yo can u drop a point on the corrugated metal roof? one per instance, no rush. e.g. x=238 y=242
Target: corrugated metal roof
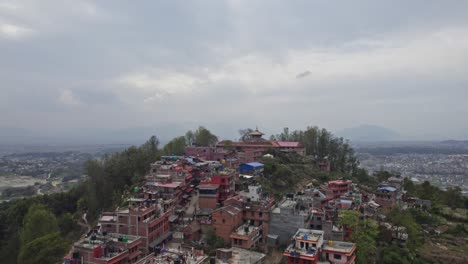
x=255 y=164
x=386 y=188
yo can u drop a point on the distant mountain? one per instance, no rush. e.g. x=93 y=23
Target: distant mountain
x=369 y=133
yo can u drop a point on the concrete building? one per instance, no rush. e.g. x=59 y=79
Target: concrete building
x=286 y=219
x=310 y=247
x=306 y=247
x=106 y=248
x=238 y=256
x=336 y=252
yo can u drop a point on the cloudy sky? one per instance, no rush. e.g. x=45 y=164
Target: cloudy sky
x=74 y=65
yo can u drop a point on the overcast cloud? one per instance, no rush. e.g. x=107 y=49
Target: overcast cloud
x=70 y=65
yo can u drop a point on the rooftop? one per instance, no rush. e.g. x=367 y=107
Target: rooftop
x=189 y=256
x=232 y=210
x=208 y=186
x=288 y=203
x=340 y=182
x=96 y=240
x=308 y=235
x=288 y=144
x=386 y=188
x=241 y=230
x=241 y=256
x=339 y=246
x=167 y=185
x=255 y=164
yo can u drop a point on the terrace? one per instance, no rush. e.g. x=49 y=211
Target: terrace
x=339 y=246
x=306 y=244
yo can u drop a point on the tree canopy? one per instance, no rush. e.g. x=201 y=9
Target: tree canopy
x=364 y=233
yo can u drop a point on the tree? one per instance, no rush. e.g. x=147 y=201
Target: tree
x=189 y=138
x=363 y=232
x=214 y=242
x=203 y=137
x=245 y=134
x=46 y=249
x=38 y=222
x=176 y=146
x=406 y=219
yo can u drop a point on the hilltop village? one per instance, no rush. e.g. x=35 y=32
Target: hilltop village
x=210 y=206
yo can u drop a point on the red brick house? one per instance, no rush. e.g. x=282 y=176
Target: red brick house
x=225 y=220
x=149 y=221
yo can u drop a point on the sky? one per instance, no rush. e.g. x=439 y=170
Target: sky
x=74 y=67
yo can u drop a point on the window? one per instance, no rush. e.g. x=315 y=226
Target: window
x=260 y=214
x=224 y=221
x=337 y=256
x=319 y=218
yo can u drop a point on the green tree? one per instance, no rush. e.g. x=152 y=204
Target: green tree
x=189 y=138
x=363 y=232
x=176 y=146
x=47 y=249
x=394 y=254
x=214 y=242
x=203 y=137
x=406 y=219
x=38 y=222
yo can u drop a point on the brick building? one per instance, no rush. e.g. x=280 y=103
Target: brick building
x=386 y=196
x=253 y=148
x=148 y=221
x=208 y=196
x=246 y=236
x=225 y=220
x=335 y=189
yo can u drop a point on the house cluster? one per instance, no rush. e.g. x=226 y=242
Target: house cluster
x=214 y=190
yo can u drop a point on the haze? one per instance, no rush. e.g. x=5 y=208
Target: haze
x=84 y=68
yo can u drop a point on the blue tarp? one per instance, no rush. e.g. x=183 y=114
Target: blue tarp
x=390 y=189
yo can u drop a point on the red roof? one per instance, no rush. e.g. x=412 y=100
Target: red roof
x=288 y=144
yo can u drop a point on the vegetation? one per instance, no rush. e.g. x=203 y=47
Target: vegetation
x=201 y=137
x=321 y=144
x=213 y=242
x=41 y=229
x=364 y=233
